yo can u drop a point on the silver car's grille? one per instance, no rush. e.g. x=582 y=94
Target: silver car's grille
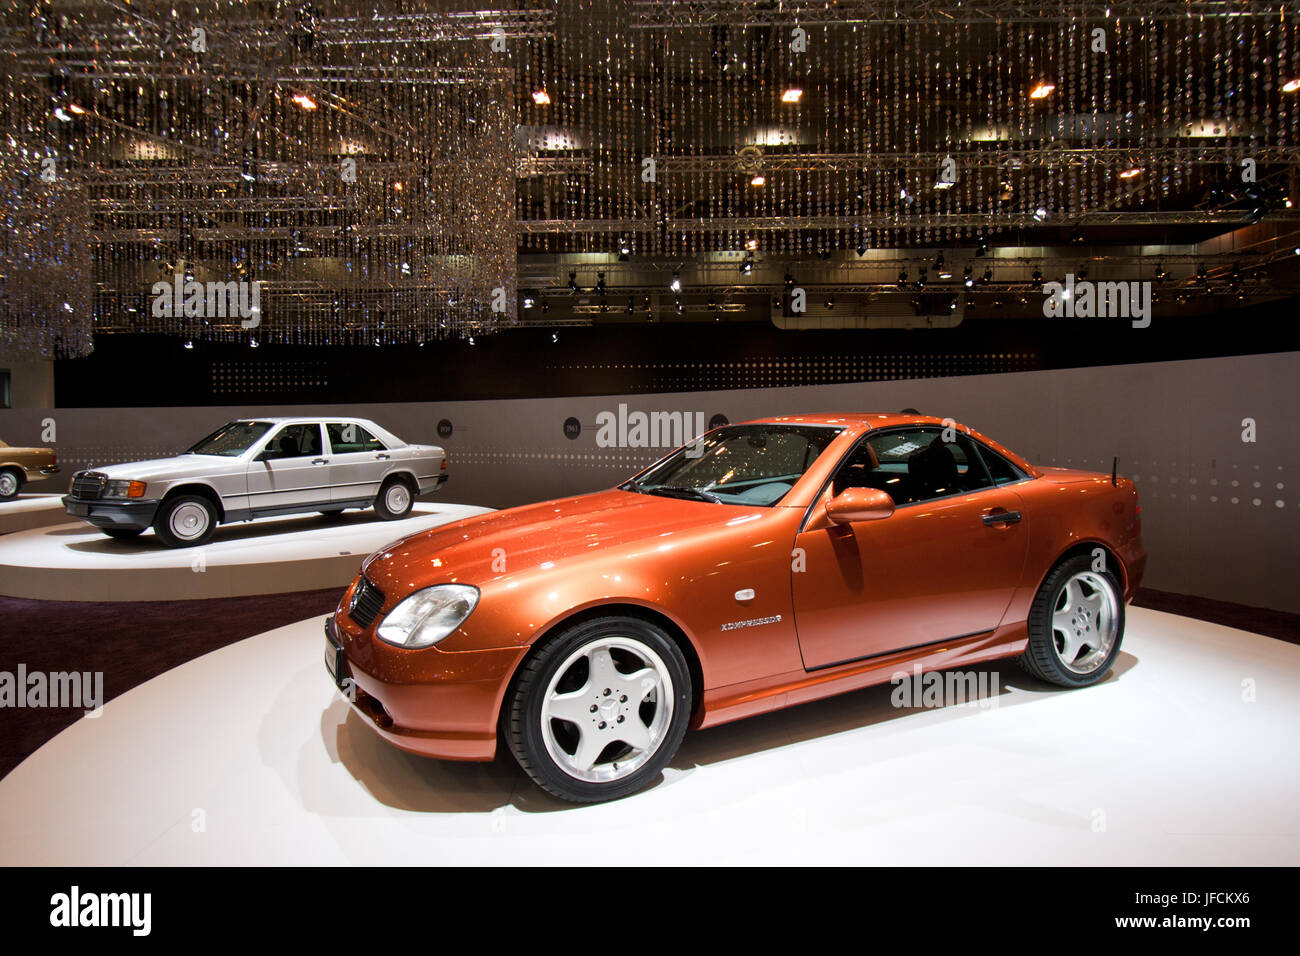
x=88 y=485
x=366 y=602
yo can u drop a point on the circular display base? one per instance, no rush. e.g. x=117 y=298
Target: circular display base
x=75 y=562
x=249 y=755
x=31 y=511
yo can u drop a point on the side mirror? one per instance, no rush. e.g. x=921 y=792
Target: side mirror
x=859 y=504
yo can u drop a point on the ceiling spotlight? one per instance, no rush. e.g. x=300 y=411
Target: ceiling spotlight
x=304 y=101
x=792 y=94
x=983 y=246
x=600 y=282
x=967 y=278
x=1082 y=273
x=941 y=269
x=471 y=340
x=903 y=193
x=680 y=310
x=189 y=344
x=902 y=278
x=987 y=277
x=541 y=98
x=944 y=184
x=629 y=305
x=952 y=303
x=1161 y=275
x=76 y=110
x=921 y=278
x=676 y=284
x=573 y=282
x=253 y=343
x=624 y=250
x=830 y=302
x=1042 y=90
x=1290 y=86
x=789 y=282
x=751 y=244
x=1036 y=280
x=528 y=302
x=1202 y=274
x=1076 y=237
x=62 y=115
x=1131 y=173
x=555 y=337
x=758 y=180
x=746 y=266
x=862 y=249
x=1040 y=213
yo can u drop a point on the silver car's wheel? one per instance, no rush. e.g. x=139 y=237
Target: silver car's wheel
x=9 y=484
x=1085 y=621
x=398 y=498
x=598 y=710
x=615 y=719
x=394 y=500
x=185 y=521
x=189 y=522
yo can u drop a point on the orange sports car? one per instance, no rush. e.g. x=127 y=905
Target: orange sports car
x=763 y=565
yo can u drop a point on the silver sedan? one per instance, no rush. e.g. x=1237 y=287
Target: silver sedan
x=254 y=468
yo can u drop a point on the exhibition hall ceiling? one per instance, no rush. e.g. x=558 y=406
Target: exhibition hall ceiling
x=388 y=172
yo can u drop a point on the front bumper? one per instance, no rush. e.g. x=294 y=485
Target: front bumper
x=430 y=702
x=111 y=513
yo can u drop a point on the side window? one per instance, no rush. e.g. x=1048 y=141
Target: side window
x=294 y=441
x=913 y=464
x=1001 y=469
x=348 y=437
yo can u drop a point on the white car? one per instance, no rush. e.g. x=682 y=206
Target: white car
x=258 y=467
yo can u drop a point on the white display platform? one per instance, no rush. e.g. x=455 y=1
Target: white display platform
x=75 y=562
x=31 y=511
x=249 y=756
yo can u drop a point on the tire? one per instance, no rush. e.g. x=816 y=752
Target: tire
x=394 y=500
x=1059 y=650
x=11 y=480
x=558 y=679
x=123 y=534
x=185 y=521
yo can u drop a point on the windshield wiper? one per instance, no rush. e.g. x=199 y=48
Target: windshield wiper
x=677 y=491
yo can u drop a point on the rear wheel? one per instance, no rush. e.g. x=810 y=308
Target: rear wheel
x=1076 y=625
x=598 y=712
x=395 y=500
x=185 y=521
x=10 y=482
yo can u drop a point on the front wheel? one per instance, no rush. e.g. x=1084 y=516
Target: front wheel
x=1076 y=625
x=185 y=521
x=10 y=482
x=598 y=712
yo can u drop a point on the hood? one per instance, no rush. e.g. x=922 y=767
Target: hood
x=501 y=544
x=164 y=469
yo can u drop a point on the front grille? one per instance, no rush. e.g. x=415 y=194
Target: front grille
x=366 y=602
x=88 y=485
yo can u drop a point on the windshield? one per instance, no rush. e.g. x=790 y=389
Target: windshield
x=231 y=441
x=738 y=464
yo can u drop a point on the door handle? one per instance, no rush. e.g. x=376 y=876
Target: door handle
x=1001 y=517
x=320 y=461
x=382 y=457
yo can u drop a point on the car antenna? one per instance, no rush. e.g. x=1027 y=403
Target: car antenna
x=1114 y=471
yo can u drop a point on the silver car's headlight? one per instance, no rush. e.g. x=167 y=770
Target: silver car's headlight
x=429 y=615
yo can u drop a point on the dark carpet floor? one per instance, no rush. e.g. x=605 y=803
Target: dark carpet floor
x=129 y=642
x=133 y=642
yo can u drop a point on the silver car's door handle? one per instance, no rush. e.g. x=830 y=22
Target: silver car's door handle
x=320 y=461
x=382 y=457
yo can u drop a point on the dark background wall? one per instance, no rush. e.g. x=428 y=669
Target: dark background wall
x=640 y=357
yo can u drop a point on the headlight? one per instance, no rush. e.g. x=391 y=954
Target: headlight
x=124 y=489
x=427 y=616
